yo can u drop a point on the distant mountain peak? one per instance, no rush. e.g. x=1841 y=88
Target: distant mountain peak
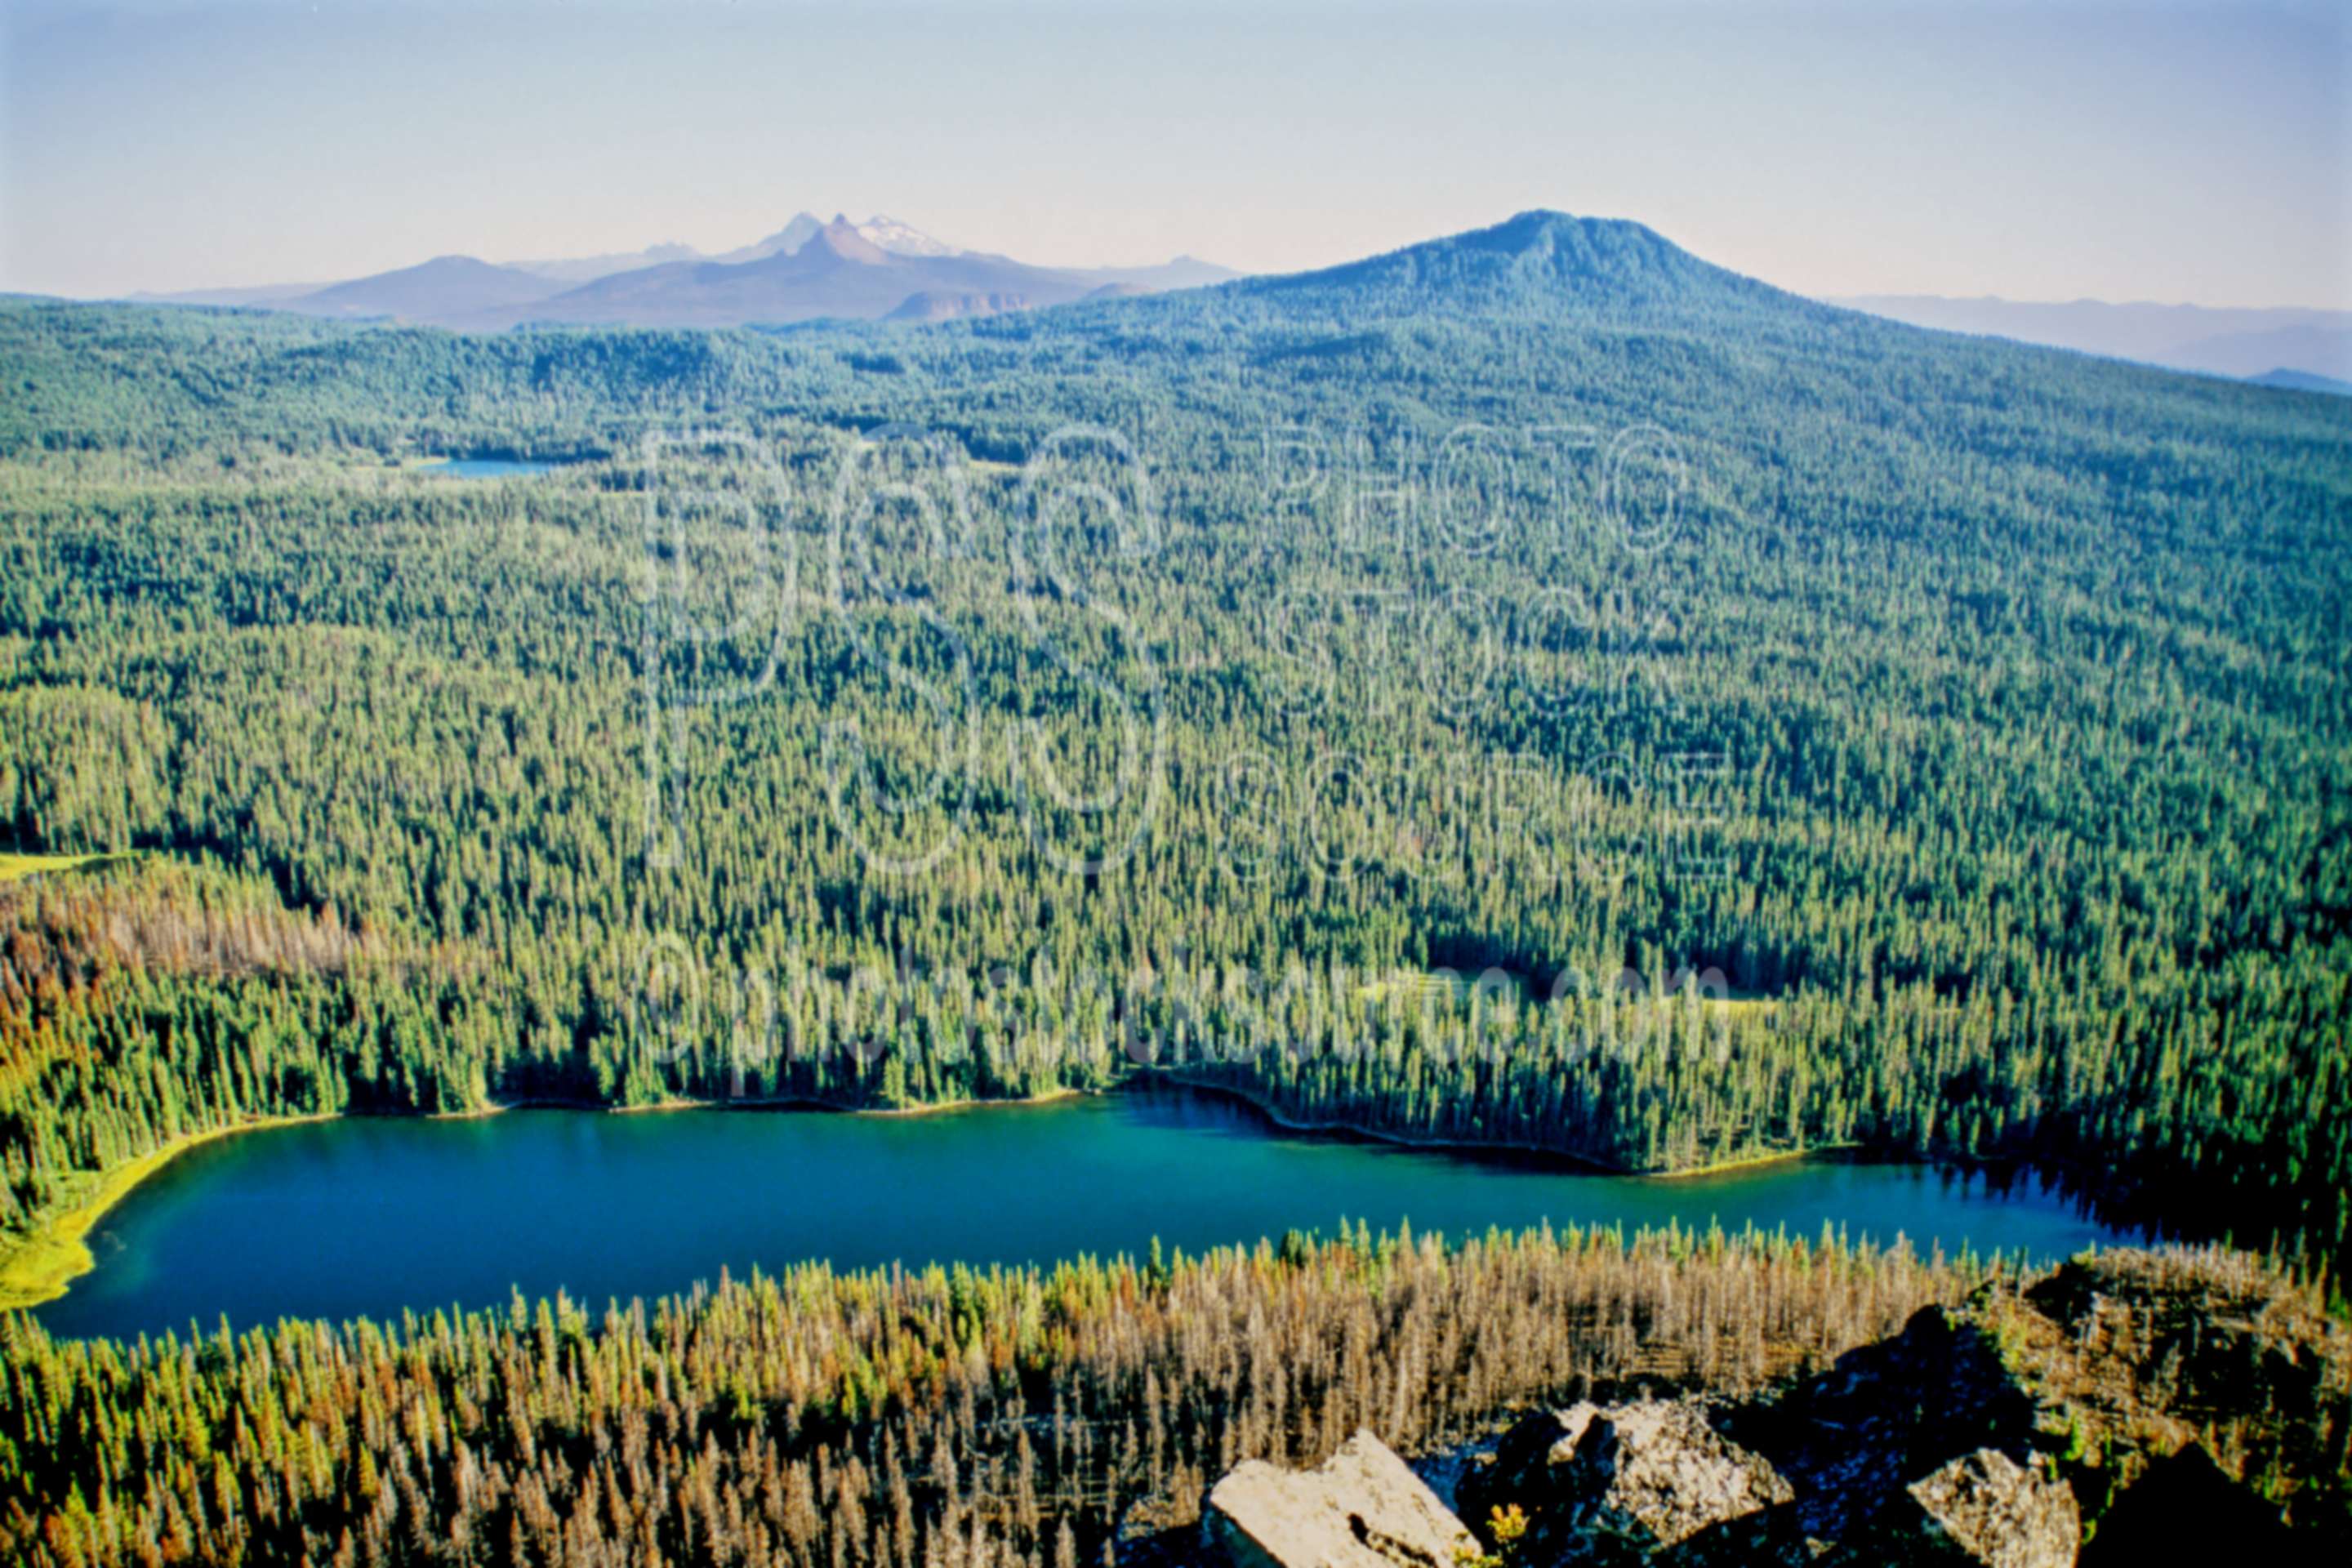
x=452 y=262
x=445 y=286
x=2294 y=380
x=846 y=240
x=1538 y=259
x=797 y=232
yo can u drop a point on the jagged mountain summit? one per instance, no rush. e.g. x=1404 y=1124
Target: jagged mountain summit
x=883 y=233
x=797 y=231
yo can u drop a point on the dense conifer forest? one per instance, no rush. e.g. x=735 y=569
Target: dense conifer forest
x=1534 y=688
x=1791 y=728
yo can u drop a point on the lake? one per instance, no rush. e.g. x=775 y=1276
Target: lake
x=366 y=1216
x=483 y=468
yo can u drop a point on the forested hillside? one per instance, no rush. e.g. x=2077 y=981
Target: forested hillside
x=964 y=1417
x=944 y=1416
x=1793 y=727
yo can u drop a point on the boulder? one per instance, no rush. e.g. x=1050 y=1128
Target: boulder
x=1360 y=1508
x=1981 y=1510
x=1645 y=1481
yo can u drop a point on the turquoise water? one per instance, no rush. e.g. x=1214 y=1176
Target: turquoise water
x=483 y=468
x=368 y=1217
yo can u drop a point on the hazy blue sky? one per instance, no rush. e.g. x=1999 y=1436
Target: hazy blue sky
x=2141 y=150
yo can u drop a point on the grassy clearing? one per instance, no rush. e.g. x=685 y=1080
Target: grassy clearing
x=1745 y=1003
x=17 y=867
x=1748 y=1162
x=1413 y=983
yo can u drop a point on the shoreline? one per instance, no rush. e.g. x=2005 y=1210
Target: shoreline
x=1384 y=1135
x=1491 y=1145
x=761 y=1102
x=53 y=1254
x=1748 y=1162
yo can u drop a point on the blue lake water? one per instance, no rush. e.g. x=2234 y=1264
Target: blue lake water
x=368 y=1217
x=483 y=468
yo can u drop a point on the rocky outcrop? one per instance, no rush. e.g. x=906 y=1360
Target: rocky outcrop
x=2135 y=1355
x=1877 y=1474
x=1624 y=1483
x=1981 y=1510
x=2184 y=1404
x=1840 y=1456
x=1360 y=1508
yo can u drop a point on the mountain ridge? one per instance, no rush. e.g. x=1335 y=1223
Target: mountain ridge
x=672 y=284
x=837 y=271
x=443 y=285
x=582 y=269
x=2241 y=342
